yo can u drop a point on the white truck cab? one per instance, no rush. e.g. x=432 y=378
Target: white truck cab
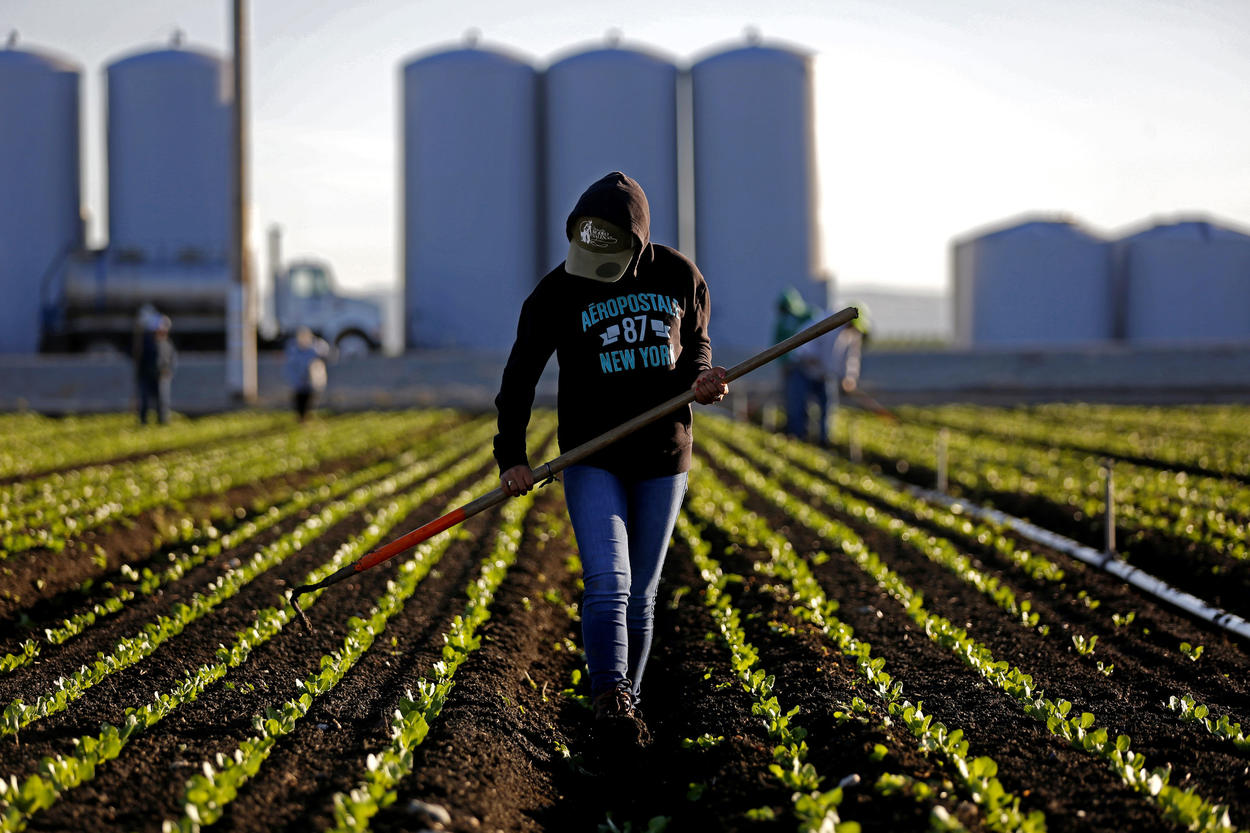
x=304 y=295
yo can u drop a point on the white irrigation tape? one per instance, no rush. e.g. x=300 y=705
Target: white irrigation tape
x=1133 y=575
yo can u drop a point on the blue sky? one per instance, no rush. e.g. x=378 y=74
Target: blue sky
x=933 y=117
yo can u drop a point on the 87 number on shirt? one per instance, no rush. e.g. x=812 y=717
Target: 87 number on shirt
x=634 y=332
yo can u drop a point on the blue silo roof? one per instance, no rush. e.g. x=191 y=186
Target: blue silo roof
x=737 y=53
x=602 y=53
x=1199 y=230
x=467 y=53
x=36 y=59
x=1035 y=227
x=166 y=56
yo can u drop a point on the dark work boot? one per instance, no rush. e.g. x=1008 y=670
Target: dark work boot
x=617 y=701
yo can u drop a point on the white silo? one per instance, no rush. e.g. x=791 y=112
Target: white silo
x=1036 y=283
x=1185 y=282
x=755 y=187
x=169 y=157
x=471 y=197
x=610 y=110
x=40 y=198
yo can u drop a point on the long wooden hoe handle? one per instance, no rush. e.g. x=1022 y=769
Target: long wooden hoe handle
x=568 y=458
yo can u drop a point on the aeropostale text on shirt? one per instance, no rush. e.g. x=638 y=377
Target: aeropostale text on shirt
x=597 y=311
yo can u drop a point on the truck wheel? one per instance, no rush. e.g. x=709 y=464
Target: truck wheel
x=352 y=346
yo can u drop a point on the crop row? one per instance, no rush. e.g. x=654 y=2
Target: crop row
x=164 y=627
x=80 y=491
x=862 y=480
x=55 y=775
x=1193 y=446
x=147 y=581
x=1181 y=419
x=47 y=512
x=940 y=551
x=715 y=505
x=1187 y=807
x=816 y=809
x=18 y=428
x=1205 y=510
x=216 y=786
x=1222 y=727
x=38 y=446
x=354 y=808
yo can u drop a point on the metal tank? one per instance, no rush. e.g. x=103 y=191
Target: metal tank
x=754 y=188
x=1185 y=282
x=40 y=197
x=471 y=197
x=610 y=110
x=169 y=156
x=1037 y=283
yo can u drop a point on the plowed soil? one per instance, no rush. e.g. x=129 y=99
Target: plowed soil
x=516 y=748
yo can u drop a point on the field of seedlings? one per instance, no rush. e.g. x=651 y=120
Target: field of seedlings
x=834 y=650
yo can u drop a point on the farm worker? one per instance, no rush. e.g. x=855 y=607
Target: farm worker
x=628 y=321
x=155 y=361
x=818 y=371
x=306 y=369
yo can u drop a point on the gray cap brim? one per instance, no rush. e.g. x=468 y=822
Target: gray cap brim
x=598 y=266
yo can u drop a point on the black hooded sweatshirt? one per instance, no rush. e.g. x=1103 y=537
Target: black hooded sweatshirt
x=622 y=347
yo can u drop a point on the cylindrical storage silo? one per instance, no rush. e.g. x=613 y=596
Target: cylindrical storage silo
x=754 y=185
x=169 y=157
x=40 y=197
x=610 y=110
x=471 y=197
x=1037 y=283
x=1187 y=281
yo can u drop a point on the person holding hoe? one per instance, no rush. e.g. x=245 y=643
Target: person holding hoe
x=628 y=321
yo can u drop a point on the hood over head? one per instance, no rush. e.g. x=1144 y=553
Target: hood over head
x=596 y=250
x=790 y=302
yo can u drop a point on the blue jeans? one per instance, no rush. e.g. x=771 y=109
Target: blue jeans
x=623 y=528
x=800 y=389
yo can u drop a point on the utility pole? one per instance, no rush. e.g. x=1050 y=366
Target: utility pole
x=241 y=309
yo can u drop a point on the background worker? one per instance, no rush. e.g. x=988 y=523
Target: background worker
x=628 y=322
x=305 y=368
x=801 y=383
x=845 y=360
x=819 y=371
x=155 y=362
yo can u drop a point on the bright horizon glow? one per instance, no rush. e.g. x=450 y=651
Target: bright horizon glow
x=933 y=118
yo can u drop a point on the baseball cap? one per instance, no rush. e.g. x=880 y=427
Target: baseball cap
x=599 y=250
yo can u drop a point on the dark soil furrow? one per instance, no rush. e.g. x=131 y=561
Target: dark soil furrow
x=40 y=583
x=491 y=756
x=1187 y=564
x=146 y=785
x=692 y=692
x=1075 y=790
x=812 y=674
x=195 y=646
x=1150 y=642
x=61 y=660
x=1129 y=702
x=43 y=582
x=329 y=746
x=492 y=761
x=56 y=661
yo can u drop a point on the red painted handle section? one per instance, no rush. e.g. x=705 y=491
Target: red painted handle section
x=410 y=539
